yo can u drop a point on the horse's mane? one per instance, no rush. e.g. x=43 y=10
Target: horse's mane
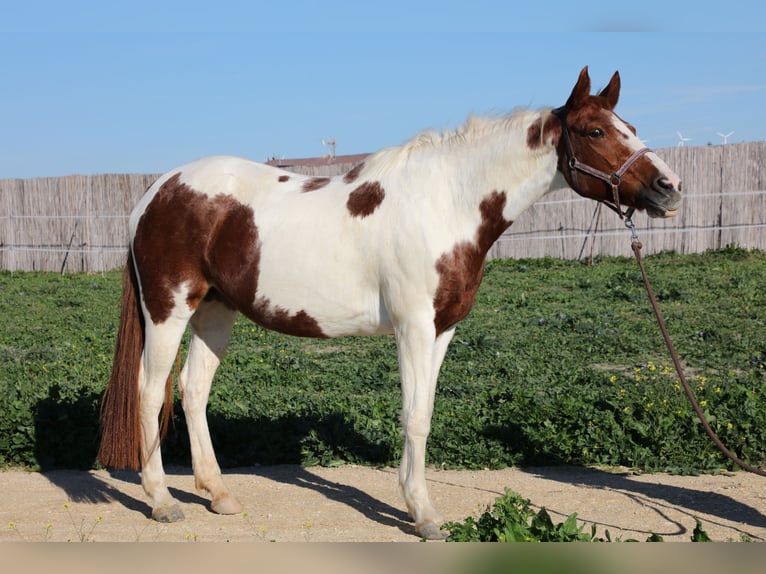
x=474 y=128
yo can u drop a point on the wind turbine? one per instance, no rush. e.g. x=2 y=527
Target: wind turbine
x=682 y=139
x=725 y=137
x=330 y=144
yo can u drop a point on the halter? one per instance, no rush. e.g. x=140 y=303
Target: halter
x=612 y=179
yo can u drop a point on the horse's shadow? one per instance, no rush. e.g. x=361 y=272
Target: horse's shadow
x=94 y=488
x=661 y=497
x=66 y=439
x=370 y=507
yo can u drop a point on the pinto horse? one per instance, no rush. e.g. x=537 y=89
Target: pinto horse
x=395 y=246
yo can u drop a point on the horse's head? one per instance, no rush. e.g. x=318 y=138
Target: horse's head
x=601 y=157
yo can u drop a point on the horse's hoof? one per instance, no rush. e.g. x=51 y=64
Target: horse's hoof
x=168 y=513
x=226 y=504
x=431 y=531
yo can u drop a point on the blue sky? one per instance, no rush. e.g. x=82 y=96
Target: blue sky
x=141 y=87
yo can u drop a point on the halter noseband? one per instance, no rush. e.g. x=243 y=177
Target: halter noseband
x=612 y=179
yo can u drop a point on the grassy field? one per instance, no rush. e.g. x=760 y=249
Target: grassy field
x=558 y=362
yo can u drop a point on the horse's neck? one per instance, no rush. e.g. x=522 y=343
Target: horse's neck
x=500 y=161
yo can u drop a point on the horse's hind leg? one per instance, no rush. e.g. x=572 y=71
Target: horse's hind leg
x=160 y=350
x=211 y=328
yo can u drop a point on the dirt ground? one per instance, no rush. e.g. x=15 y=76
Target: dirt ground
x=362 y=504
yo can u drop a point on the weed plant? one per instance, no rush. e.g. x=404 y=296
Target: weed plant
x=558 y=363
x=511 y=518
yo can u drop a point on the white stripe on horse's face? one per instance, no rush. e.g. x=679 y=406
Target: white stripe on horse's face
x=628 y=132
x=634 y=143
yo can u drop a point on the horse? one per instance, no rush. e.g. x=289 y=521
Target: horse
x=394 y=246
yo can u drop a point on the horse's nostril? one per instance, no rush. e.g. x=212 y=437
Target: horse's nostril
x=666 y=184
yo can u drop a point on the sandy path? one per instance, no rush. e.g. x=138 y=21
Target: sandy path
x=351 y=503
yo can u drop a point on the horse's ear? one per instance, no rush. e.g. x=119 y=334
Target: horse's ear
x=581 y=89
x=612 y=91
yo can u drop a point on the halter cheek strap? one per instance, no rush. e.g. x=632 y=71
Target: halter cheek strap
x=612 y=179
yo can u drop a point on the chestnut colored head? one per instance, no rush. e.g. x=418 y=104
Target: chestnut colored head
x=598 y=152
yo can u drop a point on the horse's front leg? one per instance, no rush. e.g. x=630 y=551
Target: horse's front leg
x=420 y=356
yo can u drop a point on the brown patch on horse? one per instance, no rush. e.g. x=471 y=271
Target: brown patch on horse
x=206 y=243
x=283 y=178
x=233 y=255
x=233 y=268
x=492 y=221
x=461 y=270
x=277 y=319
x=315 y=183
x=171 y=237
x=353 y=174
x=365 y=199
x=538 y=132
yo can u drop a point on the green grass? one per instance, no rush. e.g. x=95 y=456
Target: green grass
x=557 y=363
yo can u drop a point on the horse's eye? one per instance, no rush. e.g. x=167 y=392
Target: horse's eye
x=596 y=133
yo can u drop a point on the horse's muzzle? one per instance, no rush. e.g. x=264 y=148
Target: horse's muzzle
x=663 y=197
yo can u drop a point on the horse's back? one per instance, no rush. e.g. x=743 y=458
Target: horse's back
x=243 y=179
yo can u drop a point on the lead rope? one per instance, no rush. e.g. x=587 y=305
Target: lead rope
x=636 y=246
x=614 y=180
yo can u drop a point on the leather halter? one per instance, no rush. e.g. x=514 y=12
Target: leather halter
x=612 y=179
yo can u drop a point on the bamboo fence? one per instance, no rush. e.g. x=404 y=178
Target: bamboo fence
x=79 y=223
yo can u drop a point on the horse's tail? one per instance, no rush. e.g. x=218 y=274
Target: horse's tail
x=120 y=410
x=120 y=421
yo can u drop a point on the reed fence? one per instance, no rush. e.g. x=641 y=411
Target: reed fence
x=79 y=223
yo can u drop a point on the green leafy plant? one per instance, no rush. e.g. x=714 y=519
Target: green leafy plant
x=699 y=535
x=511 y=518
